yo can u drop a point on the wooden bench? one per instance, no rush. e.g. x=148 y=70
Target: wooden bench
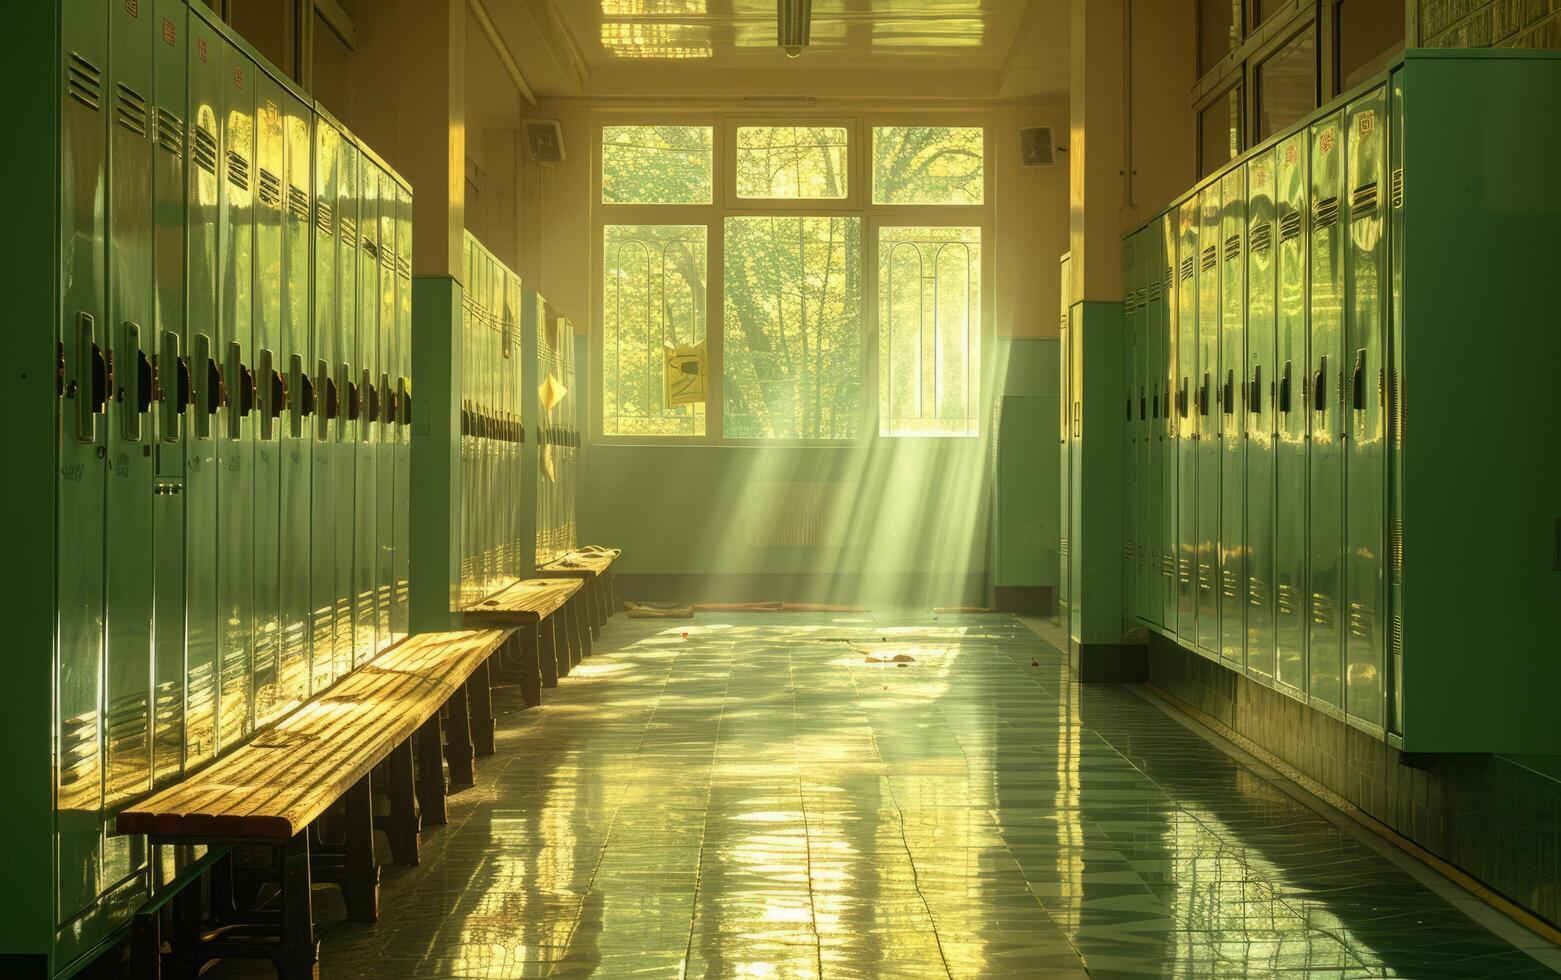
x=274 y=790
x=548 y=640
x=594 y=567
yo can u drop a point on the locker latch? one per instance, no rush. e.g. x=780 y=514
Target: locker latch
x=1320 y=385
x=1228 y=392
x=1203 y=395
x=1358 y=381
x=1255 y=392
x=1284 y=389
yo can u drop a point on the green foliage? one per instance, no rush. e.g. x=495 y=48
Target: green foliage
x=656 y=165
x=653 y=295
x=799 y=162
x=928 y=165
x=793 y=337
x=929 y=323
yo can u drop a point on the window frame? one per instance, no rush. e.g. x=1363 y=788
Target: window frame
x=858 y=203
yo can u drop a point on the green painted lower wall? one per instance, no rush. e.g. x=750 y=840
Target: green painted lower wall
x=436 y=452
x=1026 y=524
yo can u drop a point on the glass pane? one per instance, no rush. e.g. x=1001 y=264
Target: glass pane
x=793 y=335
x=1219 y=132
x=1219 y=31
x=791 y=162
x=1371 y=33
x=1266 y=7
x=653 y=298
x=1287 y=85
x=656 y=165
x=929 y=331
x=928 y=165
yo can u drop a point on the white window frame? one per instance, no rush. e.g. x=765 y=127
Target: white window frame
x=858 y=203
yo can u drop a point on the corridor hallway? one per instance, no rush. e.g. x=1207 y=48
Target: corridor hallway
x=761 y=798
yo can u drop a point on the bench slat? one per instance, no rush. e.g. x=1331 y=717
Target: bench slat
x=291 y=772
x=528 y=601
x=579 y=563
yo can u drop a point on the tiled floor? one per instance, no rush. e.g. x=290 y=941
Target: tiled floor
x=775 y=795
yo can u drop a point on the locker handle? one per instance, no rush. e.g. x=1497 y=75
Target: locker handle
x=1167 y=395
x=1181 y=399
x=387 y=400
x=1203 y=395
x=353 y=409
x=466 y=421
x=406 y=401
x=1284 y=389
x=1255 y=393
x=372 y=394
x=1319 y=385
x=216 y=391
x=1228 y=394
x=332 y=399
x=246 y=390
x=1154 y=411
x=97 y=371
x=1129 y=406
x=305 y=403
x=142 y=377
x=183 y=387
x=278 y=395
x=1358 y=381
x=1143 y=404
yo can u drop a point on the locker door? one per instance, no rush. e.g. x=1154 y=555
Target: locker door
x=1167 y=437
x=1185 y=405
x=325 y=353
x=1259 y=404
x=131 y=333
x=344 y=442
x=1206 y=384
x=203 y=338
x=1142 y=337
x=236 y=431
x=83 y=340
x=1154 y=433
x=296 y=434
x=1365 y=450
x=385 y=448
x=365 y=534
x=1325 y=465
x=271 y=156
x=403 y=424
x=1292 y=192
x=1129 y=430
x=468 y=366
x=1231 y=548
x=1065 y=490
x=1396 y=340
x=172 y=389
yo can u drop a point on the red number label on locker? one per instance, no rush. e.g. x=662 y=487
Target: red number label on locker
x=133 y=7
x=238 y=78
x=201 y=46
x=1325 y=141
x=170 y=32
x=1290 y=153
x=1262 y=175
x=1368 y=122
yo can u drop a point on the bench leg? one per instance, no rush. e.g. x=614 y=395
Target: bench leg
x=458 y=740
x=430 y=771
x=479 y=697
x=146 y=945
x=360 y=875
x=533 y=673
x=578 y=623
x=612 y=594
x=401 y=824
x=299 y=952
x=551 y=645
x=532 y=652
x=593 y=604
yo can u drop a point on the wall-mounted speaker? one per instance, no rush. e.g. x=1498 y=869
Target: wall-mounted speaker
x=545 y=141
x=1035 y=147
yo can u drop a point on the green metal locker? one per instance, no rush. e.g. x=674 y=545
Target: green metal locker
x=1325 y=459
x=465 y=595
x=1208 y=442
x=365 y=338
x=128 y=593
x=349 y=410
x=325 y=353
x=173 y=386
x=1365 y=450
x=1129 y=401
x=1143 y=262
x=1065 y=489
x=1292 y=414
x=1259 y=382
x=399 y=622
x=203 y=338
x=1153 y=437
x=1187 y=423
x=1231 y=547
x=1394 y=722
x=270 y=156
x=84 y=338
x=236 y=434
x=1166 y=439
x=385 y=447
x=296 y=403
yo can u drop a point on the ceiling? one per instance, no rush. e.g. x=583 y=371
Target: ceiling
x=913 y=49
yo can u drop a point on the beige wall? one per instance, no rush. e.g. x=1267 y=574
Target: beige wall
x=1030 y=224
x=1163 y=131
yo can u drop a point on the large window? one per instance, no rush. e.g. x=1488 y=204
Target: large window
x=736 y=298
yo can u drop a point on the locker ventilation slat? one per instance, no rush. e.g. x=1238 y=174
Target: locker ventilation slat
x=203 y=150
x=1289 y=227
x=324 y=217
x=349 y=231
x=1262 y=237
x=170 y=132
x=1211 y=256
x=270 y=189
x=238 y=170
x=1325 y=213
x=1363 y=200
x=1128 y=304
x=1232 y=247
x=130 y=109
x=403 y=267
x=298 y=203
x=1170 y=278
x=1189 y=266
x=1154 y=291
x=1398 y=188
x=1396 y=636
x=84 y=81
x=369 y=248
x=386 y=259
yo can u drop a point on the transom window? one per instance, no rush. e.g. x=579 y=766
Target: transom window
x=773 y=229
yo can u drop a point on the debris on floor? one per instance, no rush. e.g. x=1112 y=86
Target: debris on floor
x=659 y=610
